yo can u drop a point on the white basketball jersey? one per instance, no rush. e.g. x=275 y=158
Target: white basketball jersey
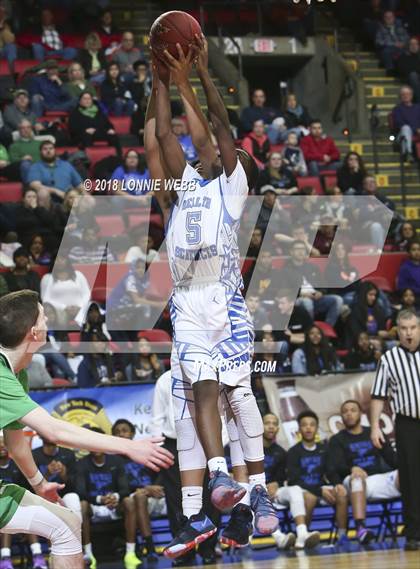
x=202 y=233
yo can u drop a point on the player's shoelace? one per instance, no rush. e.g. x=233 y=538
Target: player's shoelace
x=261 y=504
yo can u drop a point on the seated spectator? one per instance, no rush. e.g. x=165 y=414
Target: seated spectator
x=261 y=275
x=107 y=30
x=58 y=464
x=406 y=233
x=408 y=66
x=145 y=365
x=258 y=313
x=143 y=248
x=95 y=322
x=257 y=144
x=103 y=489
x=48 y=92
x=51 y=177
x=364 y=355
x=148 y=498
x=390 y=41
x=51 y=40
x=337 y=210
x=290 y=321
x=20 y=110
x=92 y=59
x=26 y=150
x=180 y=130
x=8 y=169
x=271 y=214
x=283 y=494
x=38 y=253
x=255 y=243
x=73 y=214
x=367 y=316
x=8 y=48
x=257 y=111
x=341 y=276
x=91 y=250
x=365 y=471
x=21 y=276
x=5 y=134
x=115 y=93
x=141 y=85
x=276 y=173
x=298 y=233
x=296 y=120
x=31 y=218
x=319 y=150
x=298 y=274
x=38 y=375
x=77 y=84
x=351 y=174
x=67 y=290
x=99 y=366
x=406 y=121
x=55 y=359
x=292 y=156
x=87 y=124
x=307 y=468
x=373 y=217
x=409 y=271
x=316 y=355
x=126 y=55
x=325 y=235
x=6 y=255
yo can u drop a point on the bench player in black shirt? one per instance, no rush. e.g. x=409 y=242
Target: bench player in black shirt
x=307 y=468
x=367 y=473
x=291 y=496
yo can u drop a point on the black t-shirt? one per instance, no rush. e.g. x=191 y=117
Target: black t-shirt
x=346 y=450
x=12 y=475
x=307 y=468
x=137 y=475
x=63 y=455
x=275 y=463
x=299 y=322
x=93 y=480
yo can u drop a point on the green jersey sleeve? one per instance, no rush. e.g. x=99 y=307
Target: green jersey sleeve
x=15 y=402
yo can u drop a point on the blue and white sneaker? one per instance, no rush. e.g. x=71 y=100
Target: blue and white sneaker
x=265 y=517
x=225 y=492
x=194 y=530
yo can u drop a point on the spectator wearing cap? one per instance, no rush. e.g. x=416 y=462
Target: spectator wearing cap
x=257 y=144
x=77 y=83
x=270 y=211
x=21 y=276
x=25 y=151
x=51 y=40
x=52 y=177
x=180 y=130
x=127 y=55
x=319 y=150
x=48 y=92
x=278 y=175
x=92 y=59
x=7 y=39
x=391 y=39
x=115 y=93
x=257 y=111
x=18 y=110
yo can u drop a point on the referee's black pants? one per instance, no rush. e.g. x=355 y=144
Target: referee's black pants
x=407 y=433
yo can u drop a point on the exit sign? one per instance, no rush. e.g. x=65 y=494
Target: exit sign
x=263 y=45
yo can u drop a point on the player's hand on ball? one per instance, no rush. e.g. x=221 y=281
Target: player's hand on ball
x=180 y=68
x=162 y=70
x=149 y=453
x=202 y=56
x=49 y=491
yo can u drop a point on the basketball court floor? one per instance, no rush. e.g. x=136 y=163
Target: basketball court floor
x=378 y=556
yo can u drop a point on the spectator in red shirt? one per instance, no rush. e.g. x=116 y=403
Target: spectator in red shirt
x=257 y=144
x=319 y=150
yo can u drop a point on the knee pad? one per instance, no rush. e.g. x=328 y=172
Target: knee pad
x=72 y=502
x=236 y=452
x=190 y=452
x=66 y=537
x=248 y=422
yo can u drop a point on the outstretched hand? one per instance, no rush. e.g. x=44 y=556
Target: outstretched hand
x=202 y=54
x=180 y=68
x=160 y=71
x=148 y=452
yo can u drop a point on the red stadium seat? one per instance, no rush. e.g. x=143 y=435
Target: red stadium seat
x=60 y=382
x=74 y=339
x=380 y=281
x=160 y=280
x=21 y=65
x=41 y=270
x=55 y=115
x=155 y=335
x=276 y=147
x=110 y=225
x=135 y=219
x=121 y=124
x=10 y=191
x=4 y=67
x=311 y=181
x=96 y=153
x=328 y=330
x=330 y=182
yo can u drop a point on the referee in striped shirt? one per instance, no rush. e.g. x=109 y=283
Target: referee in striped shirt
x=398 y=379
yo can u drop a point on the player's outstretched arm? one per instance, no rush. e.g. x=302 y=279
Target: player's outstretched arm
x=145 y=451
x=217 y=110
x=171 y=149
x=199 y=128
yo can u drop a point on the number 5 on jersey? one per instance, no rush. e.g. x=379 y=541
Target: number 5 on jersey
x=193 y=227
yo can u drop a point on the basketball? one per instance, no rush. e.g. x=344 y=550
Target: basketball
x=172 y=28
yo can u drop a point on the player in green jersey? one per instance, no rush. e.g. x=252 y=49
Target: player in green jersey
x=22 y=332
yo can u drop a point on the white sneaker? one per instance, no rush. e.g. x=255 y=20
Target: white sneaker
x=308 y=540
x=285 y=540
